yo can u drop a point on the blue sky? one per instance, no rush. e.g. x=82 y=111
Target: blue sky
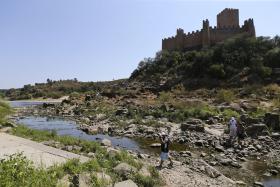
x=102 y=40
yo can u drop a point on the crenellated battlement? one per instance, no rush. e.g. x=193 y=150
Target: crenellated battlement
x=227 y=26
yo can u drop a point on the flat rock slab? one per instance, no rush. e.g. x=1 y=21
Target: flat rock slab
x=40 y=154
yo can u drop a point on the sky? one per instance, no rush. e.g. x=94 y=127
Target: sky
x=106 y=39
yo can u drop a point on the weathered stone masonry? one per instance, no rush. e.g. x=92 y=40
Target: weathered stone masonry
x=227 y=26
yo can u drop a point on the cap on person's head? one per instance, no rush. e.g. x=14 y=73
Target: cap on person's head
x=232 y=118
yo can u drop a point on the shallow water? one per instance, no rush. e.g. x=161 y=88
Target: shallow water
x=66 y=127
x=70 y=128
x=259 y=168
x=21 y=104
x=271 y=182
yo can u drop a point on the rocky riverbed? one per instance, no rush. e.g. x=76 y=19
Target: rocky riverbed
x=201 y=149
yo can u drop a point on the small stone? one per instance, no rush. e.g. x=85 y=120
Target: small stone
x=203 y=154
x=212 y=172
x=236 y=164
x=219 y=148
x=258 y=184
x=106 y=142
x=259 y=147
x=267 y=174
x=274 y=172
x=225 y=161
x=240 y=183
x=185 y=153
x=77 y=148
x=127 y=183
x=91 y=154
x=213 y=163
x=202 y=168
x=69 y=148
x=155 y=145
x=199 y=143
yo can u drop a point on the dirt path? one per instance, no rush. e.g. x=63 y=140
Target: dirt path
x=40 y=154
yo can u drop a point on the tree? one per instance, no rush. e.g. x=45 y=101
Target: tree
x=49 y=81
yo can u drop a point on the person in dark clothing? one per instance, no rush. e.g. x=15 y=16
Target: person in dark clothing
x=241 y=134
x=165 y=143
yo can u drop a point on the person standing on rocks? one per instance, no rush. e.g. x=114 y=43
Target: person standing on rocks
x=165 y=143
x=232 y=130
x=240 y=132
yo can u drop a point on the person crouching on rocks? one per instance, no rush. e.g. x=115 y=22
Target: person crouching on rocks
x=232 y=130
x=165 y=143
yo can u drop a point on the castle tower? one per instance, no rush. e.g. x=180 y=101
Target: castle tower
x=228 y=18
x=249 y=27
x=205 y=34
x=180 y=39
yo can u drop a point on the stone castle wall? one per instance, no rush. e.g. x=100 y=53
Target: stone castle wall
x=227 y=27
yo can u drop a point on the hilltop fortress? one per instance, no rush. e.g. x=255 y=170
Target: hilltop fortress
x=227 y=27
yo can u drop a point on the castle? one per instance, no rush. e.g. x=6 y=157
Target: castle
x=227 y=27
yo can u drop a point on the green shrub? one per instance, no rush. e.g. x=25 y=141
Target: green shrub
x=16 y=170
x=164 y=97
x=273 y=90
x=217 y=71
x=225 y=96
x=228 y=113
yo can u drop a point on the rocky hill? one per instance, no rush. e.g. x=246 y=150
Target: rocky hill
x=238 y=61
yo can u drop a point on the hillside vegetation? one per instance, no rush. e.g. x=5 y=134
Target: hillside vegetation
x=235 y=62
x=56 y=89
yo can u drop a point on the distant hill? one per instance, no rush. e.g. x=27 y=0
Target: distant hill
x=235 y=62
x=57 y=89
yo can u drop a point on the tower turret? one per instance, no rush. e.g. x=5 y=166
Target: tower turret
x=205 y=33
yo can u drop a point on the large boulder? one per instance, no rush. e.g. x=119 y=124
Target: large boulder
x=255 y=129
x=104 y=177
x=145 y=172
x=193 y=125
x=127 y=183
x=272 y=121
x=64 y=181
x=124 y=169
x=212 y=172
x=249 y=120
x=82 y=180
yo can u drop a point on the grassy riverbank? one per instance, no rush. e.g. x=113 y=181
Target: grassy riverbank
x=5 y=110
x=17 y=167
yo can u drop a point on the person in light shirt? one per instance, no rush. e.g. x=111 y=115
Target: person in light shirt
x=232 y=130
